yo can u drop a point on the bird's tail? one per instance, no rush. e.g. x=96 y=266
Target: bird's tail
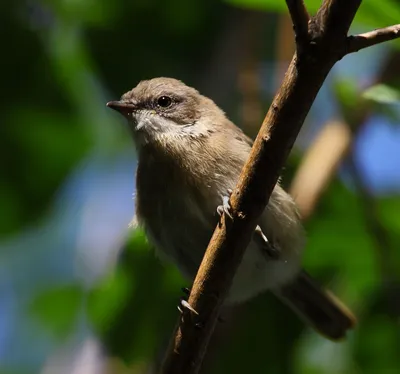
x=321 y=309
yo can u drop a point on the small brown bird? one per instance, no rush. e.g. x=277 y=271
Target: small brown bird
x=190 y=155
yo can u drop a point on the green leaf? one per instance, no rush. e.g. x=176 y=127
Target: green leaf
x=351 y=104
x=376 y=14
x=90 y=12
x=377 y=344
x=279 y=6
x=338 y=240
x=347 y=92
x=383 y=94
x=137 y=241
x=106 y=300
x=57 y=309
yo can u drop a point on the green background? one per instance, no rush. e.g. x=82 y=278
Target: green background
x=61 y=62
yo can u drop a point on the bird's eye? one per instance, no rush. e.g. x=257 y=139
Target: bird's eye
x=164 y=101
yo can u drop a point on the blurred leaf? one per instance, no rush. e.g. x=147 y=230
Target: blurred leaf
x=108 y=297
x=377 y=345
x=371 y=13
x=316 y=355
x=389 y=213
x=42 y=147
x=338 y=240
x=390 y=112
x=137 y=241
x=389 y=209
x=12 y=371
x=379 y=13
x=347 y=92
x=57 y=309
x=382 y=94
x=141 y=307
x=352 y=106
x=378 y=99
x=385 y=100
x=274 y=5
x=90 y=12
x=12 y=208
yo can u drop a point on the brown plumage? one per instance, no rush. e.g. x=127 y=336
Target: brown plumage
x=190 y=154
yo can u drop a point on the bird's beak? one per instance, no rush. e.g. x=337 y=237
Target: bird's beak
x=126 y=109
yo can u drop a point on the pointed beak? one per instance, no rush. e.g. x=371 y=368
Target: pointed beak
x=126 y=109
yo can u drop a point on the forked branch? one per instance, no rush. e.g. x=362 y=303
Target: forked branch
x=328 y=32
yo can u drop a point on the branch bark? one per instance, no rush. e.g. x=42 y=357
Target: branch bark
x=368 y=39
x=326 y=44
x=300 y=19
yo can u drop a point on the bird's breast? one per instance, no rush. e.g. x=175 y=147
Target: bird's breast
x=178 y=216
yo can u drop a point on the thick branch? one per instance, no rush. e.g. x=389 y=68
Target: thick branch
x=334 y=18
x=300 y=19
x=248 y=200
x=368 y=39
x=257 y=180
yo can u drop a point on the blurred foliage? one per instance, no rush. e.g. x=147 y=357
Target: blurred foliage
x=354 y=102
x=130 y=298
x=67 y=47
x=371 y=13
x=382 y=94
x=63 y=61
x=57 y=309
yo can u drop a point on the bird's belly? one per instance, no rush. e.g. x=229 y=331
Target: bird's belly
x=181 y=228
x=257 y=273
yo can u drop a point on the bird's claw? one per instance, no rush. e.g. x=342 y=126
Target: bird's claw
x=184 y=303
x=225 y=207
x=259 y=237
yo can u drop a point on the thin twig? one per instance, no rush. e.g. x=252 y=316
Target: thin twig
x=300 y=18
x=368 y=39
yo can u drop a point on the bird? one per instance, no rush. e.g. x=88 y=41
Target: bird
x=190 y=156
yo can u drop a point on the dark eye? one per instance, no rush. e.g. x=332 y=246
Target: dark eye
x=164 y=101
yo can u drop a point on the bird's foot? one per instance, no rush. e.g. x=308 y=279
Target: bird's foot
x=225 y=207
x=183 y=304
x=272 y=251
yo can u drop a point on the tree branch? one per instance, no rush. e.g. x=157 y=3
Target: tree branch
x=300 y=18
x=256 y=182
x=333 y=20
x=368 y=39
